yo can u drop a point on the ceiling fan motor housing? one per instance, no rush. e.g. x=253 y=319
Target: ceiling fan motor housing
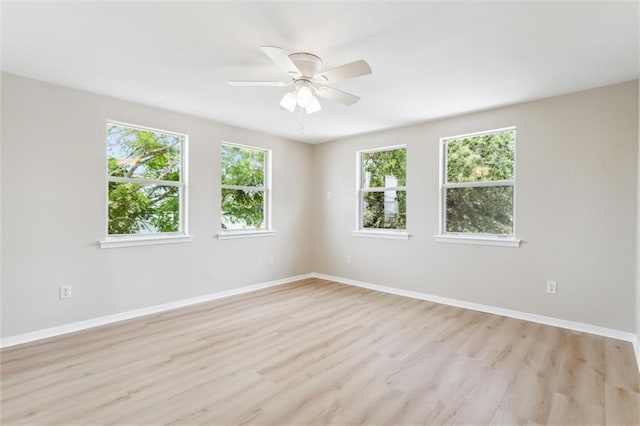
x=308 y=64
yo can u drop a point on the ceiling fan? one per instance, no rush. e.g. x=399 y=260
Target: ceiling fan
x=303 y=70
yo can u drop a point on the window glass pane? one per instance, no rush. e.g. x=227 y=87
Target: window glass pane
x=242 y=166
x=384 y=168
x=242 y=209
x=480 y=210
x=138 y=209
x=135 y=153
x=384 y=210
x=481 y=158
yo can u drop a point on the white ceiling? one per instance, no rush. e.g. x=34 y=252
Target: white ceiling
x=429 y=59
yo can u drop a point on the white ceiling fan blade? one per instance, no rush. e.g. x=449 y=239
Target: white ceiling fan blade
x=337 y=95
x=343 y=72
x=281 y=59
x=260 y=83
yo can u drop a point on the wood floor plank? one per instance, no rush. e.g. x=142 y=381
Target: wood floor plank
x=316 y=352
x=618 y=355
x=566 y=410
x=622 y=406
x=530 y=395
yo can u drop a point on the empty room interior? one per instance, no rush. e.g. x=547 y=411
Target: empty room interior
x=339 y=213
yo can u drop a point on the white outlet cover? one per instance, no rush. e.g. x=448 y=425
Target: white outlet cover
x=65 y=292
x=552 y=287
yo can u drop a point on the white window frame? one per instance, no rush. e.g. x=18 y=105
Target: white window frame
x=132 y=240
x=360 y=230
x=469 y=238
x=267 y=231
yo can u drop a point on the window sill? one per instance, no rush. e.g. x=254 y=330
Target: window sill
x=391 y=235
x=115 y=242
x=484 y=240
x=229 y=235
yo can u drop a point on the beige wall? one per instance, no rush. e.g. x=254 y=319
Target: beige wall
x=53 y=195
x=576 y=212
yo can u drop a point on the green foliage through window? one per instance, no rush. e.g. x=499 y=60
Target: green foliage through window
x=479 y=184
x=243 y=178
x=486 y=210
x=144 y=169
x=383 y=194
x=481 y=158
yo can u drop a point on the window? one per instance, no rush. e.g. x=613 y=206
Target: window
x=382 y=198
x=478 y=182
x=245 y=189
x=146 y=181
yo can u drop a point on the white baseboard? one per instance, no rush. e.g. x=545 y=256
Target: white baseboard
x=541 y=319
x=109 y=319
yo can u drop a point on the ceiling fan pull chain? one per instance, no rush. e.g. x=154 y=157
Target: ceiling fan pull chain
x=301 y=114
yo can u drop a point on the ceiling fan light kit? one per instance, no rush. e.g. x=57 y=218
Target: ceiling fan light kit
x=309 y=83
x=289 y=101
x=304 y=96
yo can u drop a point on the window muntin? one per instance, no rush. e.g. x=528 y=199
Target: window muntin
x=382 y=189
x=244 y=188
x=478 y=173
x=146 y=186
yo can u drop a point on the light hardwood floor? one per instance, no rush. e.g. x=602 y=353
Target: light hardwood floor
x=317 y=352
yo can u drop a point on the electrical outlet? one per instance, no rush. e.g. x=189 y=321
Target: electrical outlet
x=328 y=195
x=65 y=292
x=552 y=287
x=349 y=260
x=270 y=260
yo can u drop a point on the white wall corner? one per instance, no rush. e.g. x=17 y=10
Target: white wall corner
x=637 y=340
x=636 y=349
